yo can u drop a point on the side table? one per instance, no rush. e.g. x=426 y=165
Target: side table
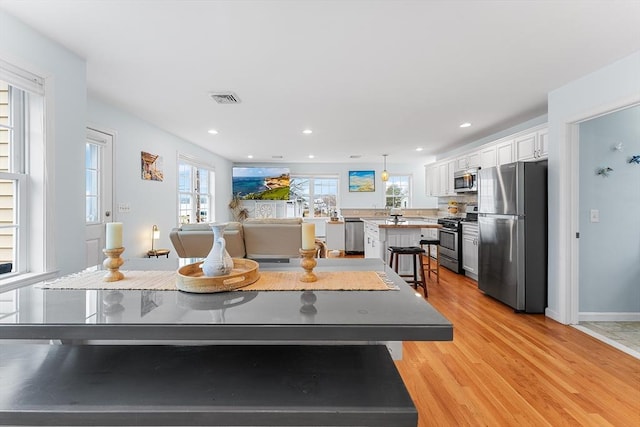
x=158 y=252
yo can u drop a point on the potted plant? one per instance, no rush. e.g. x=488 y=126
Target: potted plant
x=240 y=213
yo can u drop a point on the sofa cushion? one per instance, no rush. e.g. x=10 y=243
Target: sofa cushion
x=273 y=238
x=234 y=237
x=196 y=240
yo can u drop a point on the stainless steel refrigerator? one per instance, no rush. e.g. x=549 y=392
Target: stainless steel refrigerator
x=512 y=223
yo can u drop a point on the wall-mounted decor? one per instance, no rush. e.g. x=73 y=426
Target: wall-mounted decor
x=635 y=159
x=604 y=172
x=362 y=181
x=255 y=183
x=151 y=167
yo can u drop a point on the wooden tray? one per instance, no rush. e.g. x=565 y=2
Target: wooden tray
x=191 y=278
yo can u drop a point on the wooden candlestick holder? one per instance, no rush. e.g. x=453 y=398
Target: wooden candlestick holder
x=308 y=262
x=113 y=263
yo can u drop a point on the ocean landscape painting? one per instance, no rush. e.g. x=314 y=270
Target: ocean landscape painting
x=362 y=181
x=254 y=183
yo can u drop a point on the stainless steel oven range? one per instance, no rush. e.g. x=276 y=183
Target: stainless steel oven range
x=451 y=243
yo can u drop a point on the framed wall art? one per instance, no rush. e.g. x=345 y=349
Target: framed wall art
x=362 y=181
x=151 y=167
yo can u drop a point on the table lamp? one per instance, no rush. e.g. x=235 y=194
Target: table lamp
x=155 y=235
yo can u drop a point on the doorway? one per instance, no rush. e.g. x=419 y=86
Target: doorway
x=98 y=193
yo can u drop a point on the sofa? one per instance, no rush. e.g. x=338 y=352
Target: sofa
x=259 y=239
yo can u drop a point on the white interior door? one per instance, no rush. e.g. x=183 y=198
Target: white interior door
x=99 y=192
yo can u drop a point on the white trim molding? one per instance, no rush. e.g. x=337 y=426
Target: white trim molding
x=586 y=316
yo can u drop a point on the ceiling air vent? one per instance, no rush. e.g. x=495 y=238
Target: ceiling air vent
x=225 y=97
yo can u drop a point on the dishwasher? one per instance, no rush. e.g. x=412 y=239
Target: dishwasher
x=354 y=235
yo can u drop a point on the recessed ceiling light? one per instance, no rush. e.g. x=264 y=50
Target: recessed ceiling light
x=250 y=156
x=311 y=156
x=307 y=131
x=465 y=125
x=419 y=149
x=213 y=131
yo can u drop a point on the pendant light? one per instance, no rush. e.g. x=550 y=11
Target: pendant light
x=384 y=175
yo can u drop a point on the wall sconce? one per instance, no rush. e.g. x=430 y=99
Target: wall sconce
x=384 y=175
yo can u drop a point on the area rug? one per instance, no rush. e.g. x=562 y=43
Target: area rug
x=268 y=281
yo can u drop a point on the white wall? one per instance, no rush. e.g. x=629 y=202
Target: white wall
x=65 y=75
x=609 y=272
x=152 y=202
x=609 y=88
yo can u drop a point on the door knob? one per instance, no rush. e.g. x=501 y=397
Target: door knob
x=107 y=214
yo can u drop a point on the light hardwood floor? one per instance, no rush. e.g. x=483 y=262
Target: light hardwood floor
x=508 y=369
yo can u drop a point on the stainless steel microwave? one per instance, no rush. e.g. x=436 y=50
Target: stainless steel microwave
x=465 y=181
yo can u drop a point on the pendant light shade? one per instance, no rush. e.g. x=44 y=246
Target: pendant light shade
x=384 y=175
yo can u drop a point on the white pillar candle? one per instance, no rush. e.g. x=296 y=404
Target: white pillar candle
x=308 y=235
x=114 y=235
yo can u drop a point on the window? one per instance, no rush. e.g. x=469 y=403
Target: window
x=92 y=184
x=398 y=191
x=195 y=192
x=318 y=195
x=19 y=111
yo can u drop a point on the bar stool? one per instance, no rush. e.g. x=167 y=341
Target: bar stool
x=435 y=270
x=416 y=253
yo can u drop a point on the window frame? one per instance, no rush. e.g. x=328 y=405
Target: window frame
x=390 y=181
x=18 y=105
x=195 y=165
x=312 y=178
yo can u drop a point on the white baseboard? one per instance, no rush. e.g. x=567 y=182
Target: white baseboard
x=553 y=315
x=608 y=317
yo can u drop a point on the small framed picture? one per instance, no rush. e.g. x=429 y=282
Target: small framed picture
x=362 y=181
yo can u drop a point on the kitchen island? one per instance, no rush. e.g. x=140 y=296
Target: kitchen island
x=379 y=234
x=233 y=358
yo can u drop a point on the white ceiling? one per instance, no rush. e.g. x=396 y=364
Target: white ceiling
x=368 y=77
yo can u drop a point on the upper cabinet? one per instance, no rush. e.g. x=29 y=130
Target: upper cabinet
x=533 y=146
x=468 y=161
x=446 y=170
x=530 y=145
x=488 y=156
x=432 y=176
x=496 y=154
x=505 y=152
x=439 y=179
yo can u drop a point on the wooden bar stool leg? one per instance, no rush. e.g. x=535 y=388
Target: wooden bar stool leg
x=423 y=276
x=438 y=264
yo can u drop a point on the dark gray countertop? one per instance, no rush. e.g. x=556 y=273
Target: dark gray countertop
x=248 y=316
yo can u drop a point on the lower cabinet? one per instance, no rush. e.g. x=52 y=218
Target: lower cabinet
x=470 y=250
x=373 y=247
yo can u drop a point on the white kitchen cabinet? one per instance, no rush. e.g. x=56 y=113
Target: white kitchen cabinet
x=470 y=250
x=445 y=178
x=533 y=146
x=543 y=143
x=468 y=161
x=373 y=247
x=334 y=232
x=432 y=176
x=488 y=157
x=505 y=153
